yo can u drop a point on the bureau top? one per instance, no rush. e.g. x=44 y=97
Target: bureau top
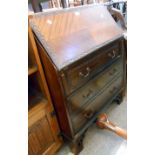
x=70 y=34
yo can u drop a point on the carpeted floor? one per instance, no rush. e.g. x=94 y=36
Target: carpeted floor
x=103 y=142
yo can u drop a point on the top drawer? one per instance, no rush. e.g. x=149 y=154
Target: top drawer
x=80 y=73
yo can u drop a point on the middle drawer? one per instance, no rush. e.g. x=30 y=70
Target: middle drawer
x=84 y=94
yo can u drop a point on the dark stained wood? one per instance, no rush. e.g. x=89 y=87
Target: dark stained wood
x=124 y=54
x=87 y=112
x=93 y=87
x=55 y=90
x=83 y=61
x=69 y=35
x=79 y=73
x=77 y=145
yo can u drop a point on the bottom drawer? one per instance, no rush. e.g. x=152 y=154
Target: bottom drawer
x=96 y=104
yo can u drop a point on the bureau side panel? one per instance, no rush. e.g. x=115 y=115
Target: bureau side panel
x=56 y=91
x=124 y=85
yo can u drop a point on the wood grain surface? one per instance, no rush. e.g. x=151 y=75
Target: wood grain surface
x=76 y=46
x=71 y=34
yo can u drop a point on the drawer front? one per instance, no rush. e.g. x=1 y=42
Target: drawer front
x=88 y=111
x=93 y=87
x=79 y=74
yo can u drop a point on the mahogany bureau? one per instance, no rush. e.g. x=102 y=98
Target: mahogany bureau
x=82 y=52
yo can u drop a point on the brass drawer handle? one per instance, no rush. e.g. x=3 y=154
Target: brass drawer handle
x=113 y=54
x=88 y=114
x=87 y=73
x=113 y=90
x=88 y=94
x=113 y=71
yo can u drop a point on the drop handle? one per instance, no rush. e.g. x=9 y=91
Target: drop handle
x=88 y=114
x=113 y=54
x=113 y=71
x=87 y=94
x=113 y=89
x=87 y=73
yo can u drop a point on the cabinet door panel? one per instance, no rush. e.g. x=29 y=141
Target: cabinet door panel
x=34 y=142
x=40 y=136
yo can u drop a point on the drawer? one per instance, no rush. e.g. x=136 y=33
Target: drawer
x=83 y=71
x=93 y=87
x=88 y=111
